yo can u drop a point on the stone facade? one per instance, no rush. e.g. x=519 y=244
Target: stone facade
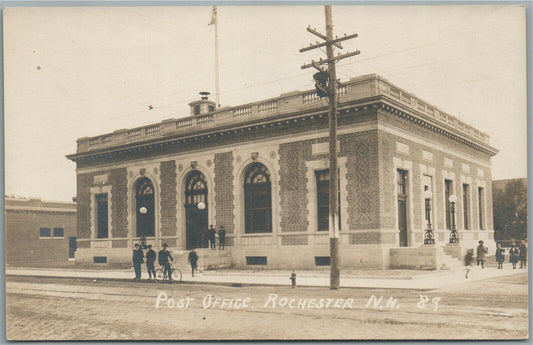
x=381 y=129
x=38 y=233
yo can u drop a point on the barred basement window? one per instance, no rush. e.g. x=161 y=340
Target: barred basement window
x=322 y=261
x=257 y=200
x=256 y=260
x=100 y=259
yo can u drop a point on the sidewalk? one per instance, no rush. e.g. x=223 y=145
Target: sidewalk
x=393 y=279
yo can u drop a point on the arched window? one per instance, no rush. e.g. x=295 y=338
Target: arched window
x=144 y=202
x=257 y=199
x=196 y=188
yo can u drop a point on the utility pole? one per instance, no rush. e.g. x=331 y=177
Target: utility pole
x=326 y=85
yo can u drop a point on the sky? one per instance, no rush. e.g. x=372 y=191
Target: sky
x=86 y=71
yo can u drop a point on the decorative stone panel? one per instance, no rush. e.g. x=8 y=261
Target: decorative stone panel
x=84 y=244
x=294 y=240
x=293 y=185
x=365 y=238
x=363 y=179
x=402 y=148
x=230 y=241
x=120 y=244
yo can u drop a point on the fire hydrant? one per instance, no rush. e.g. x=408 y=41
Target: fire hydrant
x=293 y=280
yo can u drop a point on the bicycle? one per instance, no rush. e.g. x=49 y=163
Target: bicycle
x=160 y=274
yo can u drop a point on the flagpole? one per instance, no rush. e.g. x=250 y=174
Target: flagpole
x=216 y=58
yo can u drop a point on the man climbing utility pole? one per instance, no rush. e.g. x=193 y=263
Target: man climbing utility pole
x=326 y=85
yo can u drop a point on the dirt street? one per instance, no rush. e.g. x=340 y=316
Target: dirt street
x=69 y=309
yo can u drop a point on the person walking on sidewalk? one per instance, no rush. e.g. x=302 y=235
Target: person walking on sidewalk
x=212 y=236
x=164 y=259
x=480 y=254
x=469 y=262
x=193 y=260
x=522 y=256
x=221 y=238
x=150 y=261
x=137 y=260
x=513 y=255
x=500 y=256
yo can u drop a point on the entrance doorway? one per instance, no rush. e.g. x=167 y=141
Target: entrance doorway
x=196 y=214
x=144 y=205
x=72 y=246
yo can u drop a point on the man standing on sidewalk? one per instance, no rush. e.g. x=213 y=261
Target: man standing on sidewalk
x=164 y=260
x=221 y=238
x=212 y=236
x=150 y=261
x=193 y=260
x=137 y=260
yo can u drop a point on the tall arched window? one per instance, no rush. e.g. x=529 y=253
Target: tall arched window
x=257 y=199
x=196 y=188
x=144 y=205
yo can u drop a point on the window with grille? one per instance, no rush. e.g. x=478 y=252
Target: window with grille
x=322 y=198
x=481 y=208
x=196 y=188
x=101 y=216
x=402 y=206
x=447 y=194
x=466 y=206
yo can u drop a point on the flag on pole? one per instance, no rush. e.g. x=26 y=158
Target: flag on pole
x=213 y=16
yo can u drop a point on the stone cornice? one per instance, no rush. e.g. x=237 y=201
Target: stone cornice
x=348 y=109
x=293 y=106
x=435 y=126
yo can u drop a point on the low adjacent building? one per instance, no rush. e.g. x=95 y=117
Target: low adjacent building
x=39 y=233
x=261 y=171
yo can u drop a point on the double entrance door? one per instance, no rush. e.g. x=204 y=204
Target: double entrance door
x=196 y=227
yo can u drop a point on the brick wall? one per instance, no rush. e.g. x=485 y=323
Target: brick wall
x=224 y=191
x=83 y=201
x=119 y=202
x=23 y=247
x=168 y=198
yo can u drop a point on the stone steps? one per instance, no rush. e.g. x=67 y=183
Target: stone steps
x=207 y=258
x=449 y=262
